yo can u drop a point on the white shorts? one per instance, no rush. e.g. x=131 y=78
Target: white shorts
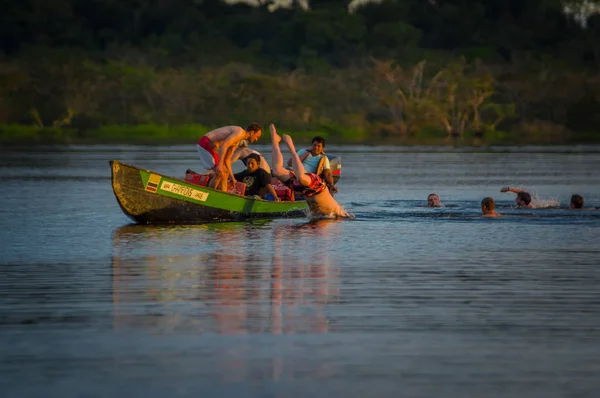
x=206 y=158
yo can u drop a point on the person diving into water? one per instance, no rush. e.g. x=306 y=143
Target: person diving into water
x=314 y=189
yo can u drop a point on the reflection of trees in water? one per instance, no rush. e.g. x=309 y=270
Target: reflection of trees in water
x=236 y=278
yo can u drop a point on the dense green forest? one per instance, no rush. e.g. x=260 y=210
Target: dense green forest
x=405 y=71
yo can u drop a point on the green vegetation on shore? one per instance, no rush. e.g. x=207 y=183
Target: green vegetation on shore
x=397 y=72
x=143 y=134
x=18 y=135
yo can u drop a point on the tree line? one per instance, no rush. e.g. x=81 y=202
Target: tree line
x=411 y=68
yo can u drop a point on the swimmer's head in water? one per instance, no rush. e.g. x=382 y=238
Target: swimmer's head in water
x=433 y=200
x=576 y=202
x=488 y=204
x=523 y=199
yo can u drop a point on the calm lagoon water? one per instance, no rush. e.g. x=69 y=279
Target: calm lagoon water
x=400 y=301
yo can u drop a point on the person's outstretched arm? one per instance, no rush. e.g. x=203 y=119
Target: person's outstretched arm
x=227 y=172
x=511 y=189
x=229 y=168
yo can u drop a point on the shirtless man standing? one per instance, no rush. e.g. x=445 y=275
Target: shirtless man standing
x=314 y=189
x=219 y=144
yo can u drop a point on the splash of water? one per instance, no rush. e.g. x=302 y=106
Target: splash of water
x=332 y=215
x=536 y=201
x=348 y=213
x=539 y=203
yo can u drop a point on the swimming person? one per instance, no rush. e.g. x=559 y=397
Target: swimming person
x=576 y=202
x=314 y=189
x=523 y=198
x=487 y=208
x=433 y=200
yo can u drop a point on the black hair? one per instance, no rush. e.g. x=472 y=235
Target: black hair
x=318 y=139
x=254 y=127
x=525 y=197
x=252 y=156
x=577 y=201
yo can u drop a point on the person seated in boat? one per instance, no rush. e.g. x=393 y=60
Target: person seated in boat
x=242 y=152
x=314 y=189
x=487 y=208
x=433 y=200
x=257 y=180
x=523 y=198
x=218 y=145
x=316 y=161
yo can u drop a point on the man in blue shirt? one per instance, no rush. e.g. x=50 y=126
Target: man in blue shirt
x=315 y=161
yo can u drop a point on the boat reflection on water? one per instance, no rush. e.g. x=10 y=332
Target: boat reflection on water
x=200 y=287
x=229 y=278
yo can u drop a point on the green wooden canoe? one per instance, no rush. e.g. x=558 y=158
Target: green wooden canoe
x=148 y=197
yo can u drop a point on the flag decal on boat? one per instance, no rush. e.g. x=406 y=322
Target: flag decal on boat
x=152 y=184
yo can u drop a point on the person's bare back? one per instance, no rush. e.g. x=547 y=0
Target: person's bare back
x=220 y=135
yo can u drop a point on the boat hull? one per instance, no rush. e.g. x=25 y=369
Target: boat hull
x=148 y=197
